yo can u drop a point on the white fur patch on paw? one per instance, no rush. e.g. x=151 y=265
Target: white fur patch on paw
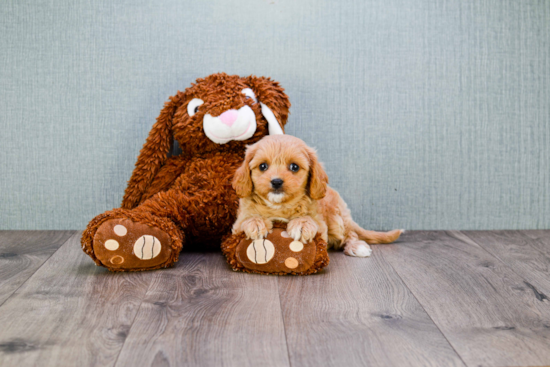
x=357 y=249
x=302 y=229
x=295 y=233
x=254 y=228
x=362 y=251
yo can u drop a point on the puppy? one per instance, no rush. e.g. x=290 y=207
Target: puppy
x=281 y=179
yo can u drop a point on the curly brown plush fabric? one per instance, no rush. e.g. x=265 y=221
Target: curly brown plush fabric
x=307 y=259
x=186 y=197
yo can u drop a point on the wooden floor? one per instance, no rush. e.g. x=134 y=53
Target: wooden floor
x=432 y=299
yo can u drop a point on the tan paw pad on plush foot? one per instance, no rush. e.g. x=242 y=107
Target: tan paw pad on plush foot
x=147 y=247
x=260 y=251
x=123 y=244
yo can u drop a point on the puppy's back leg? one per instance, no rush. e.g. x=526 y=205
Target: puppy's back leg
x=353 y=246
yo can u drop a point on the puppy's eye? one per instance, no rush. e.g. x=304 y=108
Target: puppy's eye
x=294 y=167
x=193 y=106
x=263 y=167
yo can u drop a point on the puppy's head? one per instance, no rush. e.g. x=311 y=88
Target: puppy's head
x=280 y=168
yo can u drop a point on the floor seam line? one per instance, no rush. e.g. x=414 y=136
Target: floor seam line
x=133 y=321
x=41 y=265
x=427 y=313
x=498 y=258
x=283 y=320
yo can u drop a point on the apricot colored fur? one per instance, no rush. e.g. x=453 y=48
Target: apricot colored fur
x=305 y=200
x=190 y=196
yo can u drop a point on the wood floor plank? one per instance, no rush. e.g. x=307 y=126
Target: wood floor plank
x=70 y=312
x=22 y=252
x=204 y=314
x=359 y=313
x=486 y=291
x=521 y=254
x=541 y=240
x=484 y=308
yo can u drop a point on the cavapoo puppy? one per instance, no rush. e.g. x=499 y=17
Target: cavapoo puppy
x=281 y=179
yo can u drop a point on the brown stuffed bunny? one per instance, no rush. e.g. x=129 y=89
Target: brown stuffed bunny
x=187 y=197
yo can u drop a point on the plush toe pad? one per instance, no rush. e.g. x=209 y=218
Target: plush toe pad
x=123 y=244
x=147 y=247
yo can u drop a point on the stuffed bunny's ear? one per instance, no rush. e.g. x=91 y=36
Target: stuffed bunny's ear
x=272 y=123
x=273 y=101
x=153 y=154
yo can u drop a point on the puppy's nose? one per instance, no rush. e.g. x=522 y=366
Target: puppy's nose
x=229 y=117
x=276 y=183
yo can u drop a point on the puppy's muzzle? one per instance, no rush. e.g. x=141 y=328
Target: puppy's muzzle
x=277 y=183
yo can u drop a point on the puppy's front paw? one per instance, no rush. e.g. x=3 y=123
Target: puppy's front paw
x=357 y=248
x=255 y=228
x=302 y=229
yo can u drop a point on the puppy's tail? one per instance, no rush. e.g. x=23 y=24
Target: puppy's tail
x=372 y=237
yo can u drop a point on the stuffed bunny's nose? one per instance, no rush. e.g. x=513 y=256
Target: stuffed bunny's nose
x=229 y=117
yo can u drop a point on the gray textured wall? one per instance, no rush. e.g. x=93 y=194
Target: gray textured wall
x=427 y=114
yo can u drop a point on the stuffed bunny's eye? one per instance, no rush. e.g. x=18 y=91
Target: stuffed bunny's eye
x=193 y=106
x=249 y=93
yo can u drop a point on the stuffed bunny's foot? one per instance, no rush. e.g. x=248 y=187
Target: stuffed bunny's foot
x=124 y=245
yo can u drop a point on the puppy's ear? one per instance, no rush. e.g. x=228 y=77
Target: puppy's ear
x=242 y=181
x=318 y=179
x=275 y=103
